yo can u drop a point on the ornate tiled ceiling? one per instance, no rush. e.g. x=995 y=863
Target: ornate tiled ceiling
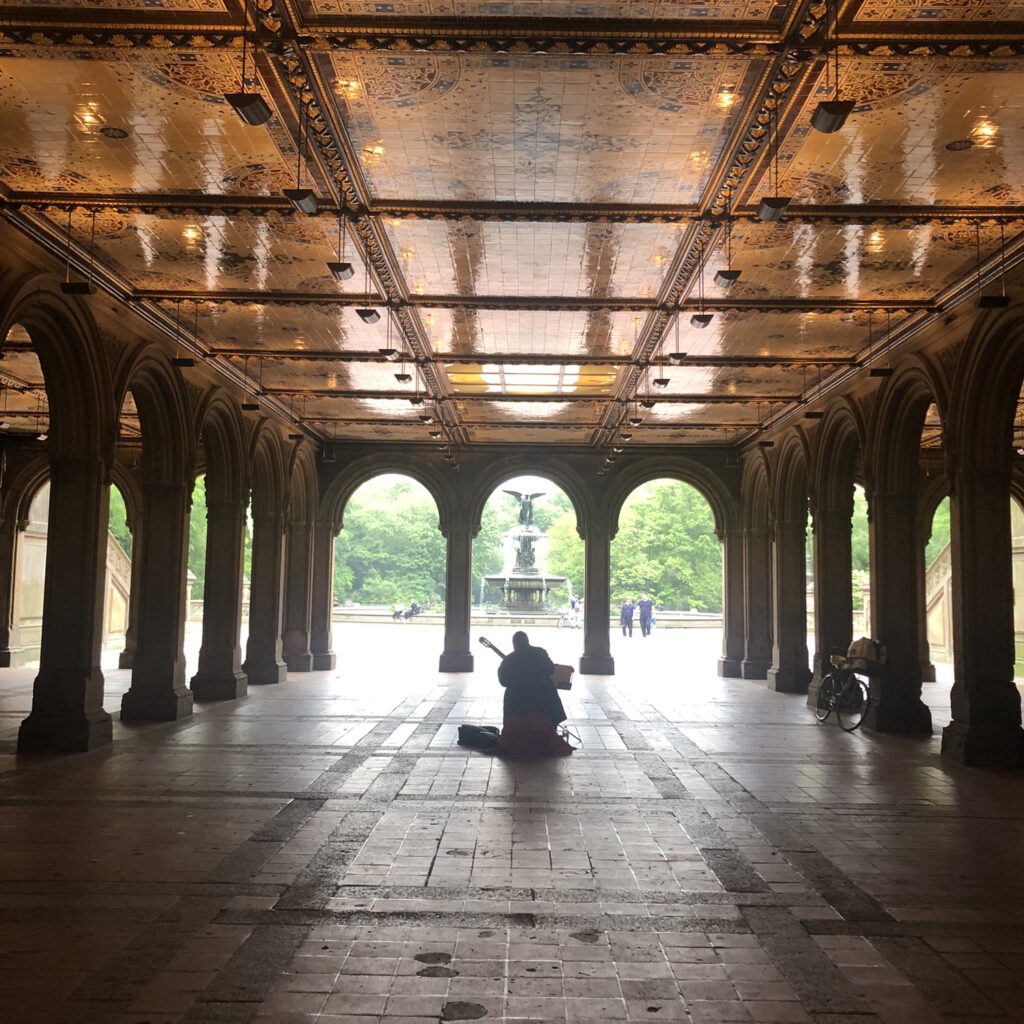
x=530 y=193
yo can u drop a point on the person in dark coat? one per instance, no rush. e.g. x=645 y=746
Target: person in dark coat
x=532 y=707
x=626 y=617
x=646 y=608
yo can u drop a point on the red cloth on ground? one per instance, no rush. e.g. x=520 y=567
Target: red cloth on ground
x=531 y=735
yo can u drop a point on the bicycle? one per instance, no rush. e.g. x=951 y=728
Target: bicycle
x=844 y=692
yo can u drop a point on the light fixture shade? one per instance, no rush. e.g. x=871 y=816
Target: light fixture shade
x=183 y=361
x=250 y=406
x=434 y=433
x=390 y=354
x=727 y=278
x=425 y=417
x=701 y=320
x=415 y=399
x=765 y=444
x=303 y=199
x=77 y=288
x=830 y=115
x=813 y=414
x=626 y=436
x=772 y=207
x=251 y=107
x=661 y=382
x=340 y=271
x=403 y=378
x=368 y=315
x=647 y=403
x=677 y=357
x=296 y=437
x=635 y=421
x=993 y=302
x=880 y=371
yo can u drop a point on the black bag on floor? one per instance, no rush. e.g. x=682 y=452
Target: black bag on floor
x=479 y=737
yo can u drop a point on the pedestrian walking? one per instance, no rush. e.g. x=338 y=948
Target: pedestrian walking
x=645 y=606
x=626 y=617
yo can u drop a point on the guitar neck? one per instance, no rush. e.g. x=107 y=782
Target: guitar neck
x=487 y=643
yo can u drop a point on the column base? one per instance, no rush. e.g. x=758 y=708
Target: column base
x=983 y=746
x=326 y=662
x=455 y=661
x=813 y=689
x=754 y=668
x=271 y=674
x=897 y=713
x=730 y=668
x=788 y=680
x=155 y=706
x=229 y=686
x=64 y=734
x=299 y=662
x=597 y=665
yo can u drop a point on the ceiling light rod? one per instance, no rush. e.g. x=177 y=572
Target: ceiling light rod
x=830 y=115
x=701 y=319
x=367 y=313
x=303 y=199
x=677 y=356
x=1002 y=300
x=771 y=208
x=727 y=277
x=86 y=287
x=339 y=269
x=251 y=107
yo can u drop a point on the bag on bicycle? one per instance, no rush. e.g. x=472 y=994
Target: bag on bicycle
x=867 y=656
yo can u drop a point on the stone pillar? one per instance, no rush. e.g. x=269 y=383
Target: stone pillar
x=597 y=655
x=9 y=529
x=985 y=703
x=833 y=588
x=67 y=695
x=126 y=659
x=220 y=675
x=322 y=600
x=757 y=603
x=895 y=562
x=158 y=689
x=263 y=661
x=789 y=672
x=729 y=665
x=298 y=594
x=458 y=596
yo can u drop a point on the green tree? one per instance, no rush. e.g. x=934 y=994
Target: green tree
x=118 y=521
x=940 y=533
x=197 y=538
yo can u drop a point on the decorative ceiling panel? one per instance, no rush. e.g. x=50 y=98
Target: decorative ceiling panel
x=855 y=261
x=690 y=435
x=751 y=10
x=469 y=257
x=745 y=382
x=191 y=6
x=217 y=253
x=526 y=379
x=497 y=332
x=945 y=10
x=151 y=123
x=483 y=413
x=716 y=414
x=537 y=127
x=924 y=132
x=525 y=433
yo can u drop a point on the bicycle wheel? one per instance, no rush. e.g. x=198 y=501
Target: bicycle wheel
x=852 y=704
x=826 y=697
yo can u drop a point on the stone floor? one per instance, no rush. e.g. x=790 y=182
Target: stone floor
x=322 y=851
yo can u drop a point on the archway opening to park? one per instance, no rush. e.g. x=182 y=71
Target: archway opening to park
x=390 y=563
x=666 y=552
x=528 y=569
x=118 y=607
x=860 y=564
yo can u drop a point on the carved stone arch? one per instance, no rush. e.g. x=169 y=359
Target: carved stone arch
x=506 y=467
x=837 y=444
x=985 y=390
x=705 y=481
x=269 y=481
x=790 y=493
x=225 y=453
x=128 y=485
x=83 y=420
x=356 y=473
x=302 y=483
x=894 y=433
x=20 y=491
x=168 y=438
x=754 y=491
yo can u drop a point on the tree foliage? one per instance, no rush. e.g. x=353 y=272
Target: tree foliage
x=940 y=533
x=118 y=521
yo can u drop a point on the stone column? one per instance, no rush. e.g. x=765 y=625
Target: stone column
x=789 y=672
x=67 y=695
x=757 y=606
x=322 y=600
x=263 y=661
x=458 y=596
x=9 y=529
x=158 y=689
x=985 y=703
x=895 y=562
x=220 y=675
x=729 y=665
x=298 y=595
x=126 y=659
x=597 y=655
x=833 y=588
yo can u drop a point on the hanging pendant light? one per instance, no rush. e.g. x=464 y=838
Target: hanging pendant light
x=677 y=356
x=771 y=208
x=727 y=276
x=816 y=414
x=339 y=269
x=303 y=199
x=392 y=355
x=86 y=287
x=1002 y=300
x=830 y=115
x=251 y=107
x=249 y=403
x=367 y=313
x=880 y=371
x=701 y=319
x=186 y=360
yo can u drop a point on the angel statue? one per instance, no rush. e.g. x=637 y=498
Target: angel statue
x=525 y=506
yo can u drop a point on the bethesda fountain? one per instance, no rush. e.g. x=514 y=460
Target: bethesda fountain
x=523 y=583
